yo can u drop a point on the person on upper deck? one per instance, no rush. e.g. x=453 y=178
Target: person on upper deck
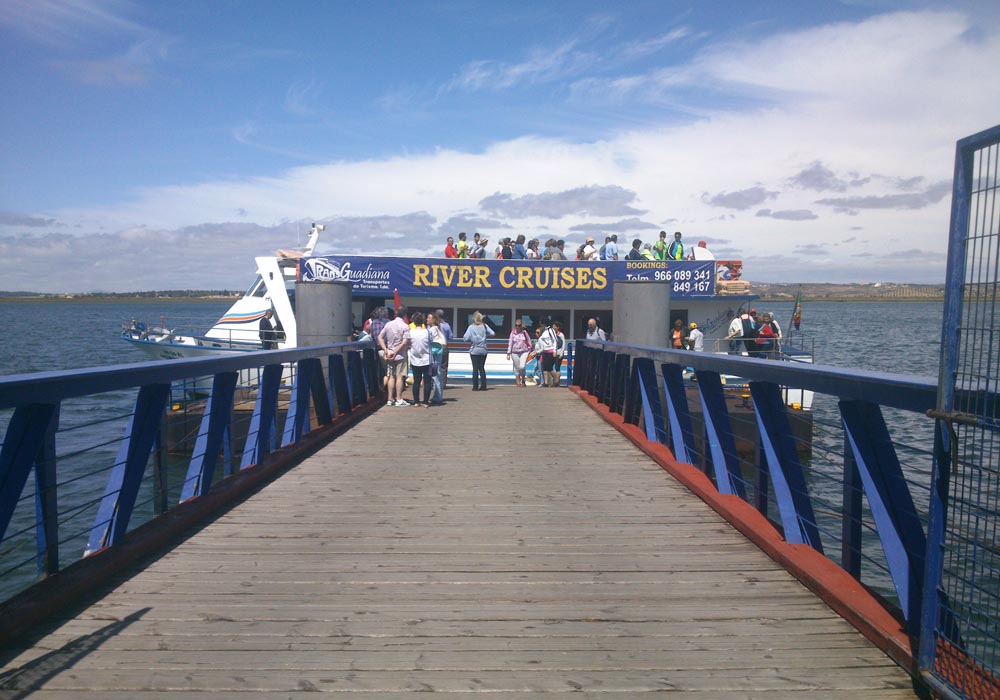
x=611 y=248
x=587 y=250
x=449 y=249
x=479 y=247
x=463 y=246
x=532 y=253
x=701 y=252
x=560 y=251
x=660 y=247
x=647 y=252
x=520 y=252
x=675 y=251
x=635 y=253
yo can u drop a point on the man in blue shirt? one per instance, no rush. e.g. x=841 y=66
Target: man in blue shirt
x=611 y=249
x=448 y=335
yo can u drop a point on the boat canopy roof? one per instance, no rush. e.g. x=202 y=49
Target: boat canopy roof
x=377 y=276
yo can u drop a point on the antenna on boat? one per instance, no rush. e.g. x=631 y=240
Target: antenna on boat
x=313 y=238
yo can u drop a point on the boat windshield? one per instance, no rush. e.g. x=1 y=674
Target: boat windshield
x=257 y=289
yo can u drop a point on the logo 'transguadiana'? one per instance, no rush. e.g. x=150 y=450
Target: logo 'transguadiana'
x=328 y=270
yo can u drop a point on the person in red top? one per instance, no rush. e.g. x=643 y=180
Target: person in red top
x=449 y=249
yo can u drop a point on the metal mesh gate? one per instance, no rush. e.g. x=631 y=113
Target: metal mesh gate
x=960 y=626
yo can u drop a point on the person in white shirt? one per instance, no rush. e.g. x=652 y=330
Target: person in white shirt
x=595 y=333
x=701 y=252
x=696 y=339
x=589 y=251
x=735 y=333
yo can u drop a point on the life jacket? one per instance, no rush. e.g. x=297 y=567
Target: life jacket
x=766 y=334
x=677 y=334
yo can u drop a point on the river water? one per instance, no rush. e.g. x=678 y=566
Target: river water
x=900 y=337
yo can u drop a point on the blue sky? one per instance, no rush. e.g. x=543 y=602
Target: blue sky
x=152 y=145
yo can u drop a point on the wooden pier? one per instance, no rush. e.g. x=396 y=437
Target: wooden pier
x=509 y=544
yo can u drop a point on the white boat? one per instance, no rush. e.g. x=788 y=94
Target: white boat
x=704 y=292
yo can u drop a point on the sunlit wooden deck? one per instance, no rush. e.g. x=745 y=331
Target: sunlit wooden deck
x=509 y=543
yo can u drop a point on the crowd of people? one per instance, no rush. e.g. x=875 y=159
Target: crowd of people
x=757 y=334
x=417 y=344
x=520 y=248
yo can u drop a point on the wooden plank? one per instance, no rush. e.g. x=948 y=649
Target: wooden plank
x=471 y=549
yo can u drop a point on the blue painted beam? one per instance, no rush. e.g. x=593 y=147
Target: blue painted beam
x=356 y=379
x=899 y=528
x=850 y=529
x=652 y=408
x=47 y=501
x=719 y=435
x=338 y=380
x=211 y=436
x=115 y=509
x=319 y=393
x=787 y=477
x=681 y=429
x=25 y=436
x=260 y=437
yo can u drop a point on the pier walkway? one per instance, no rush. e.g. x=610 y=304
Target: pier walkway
x=510 y=543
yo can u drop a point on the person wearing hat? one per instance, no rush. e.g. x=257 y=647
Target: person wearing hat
x=696 y=339
x=701 y=252
x=587 y=250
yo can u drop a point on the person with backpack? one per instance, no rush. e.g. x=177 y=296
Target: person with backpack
x=749 y=322
x=546 y=348
x=560 y=350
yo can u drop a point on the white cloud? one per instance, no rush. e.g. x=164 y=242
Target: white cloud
x=878 y=104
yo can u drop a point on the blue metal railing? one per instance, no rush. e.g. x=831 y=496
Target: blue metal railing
x=113 y=448
x=960 y=631
x=836 y=479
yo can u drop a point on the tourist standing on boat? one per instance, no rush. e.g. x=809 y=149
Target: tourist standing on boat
x=439 y=346
x=660 y=247
x=268 y=336
x=735 y=333
x=647 y=252
x=448 y=337
x=463 y=245
x=518 y=347
x=594 y=332
x=701 y=252
x=587 y=250
x=533 y=253
x=678 y=335
x=476 y=335
x=520 y=252
x=611 y=248
x=696 y=339
x=479 y=247
x=449 y=250
x=636 y=252
x=765 y=337
x=749 y=322
x=676 y=249
x=394 y=340
x=419 y=357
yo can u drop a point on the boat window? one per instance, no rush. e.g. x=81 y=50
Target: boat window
x=497 y=319
x=531 y=317
x=604 y=318
x=257 y=289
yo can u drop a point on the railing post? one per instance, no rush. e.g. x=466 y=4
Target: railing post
x=790 y=491
x=681 y=430
x=262 y=424
x=719 y=432
x=47 y=532
x=116 y=506
x=211 y=435
x=338 y=381
x=850 y=529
